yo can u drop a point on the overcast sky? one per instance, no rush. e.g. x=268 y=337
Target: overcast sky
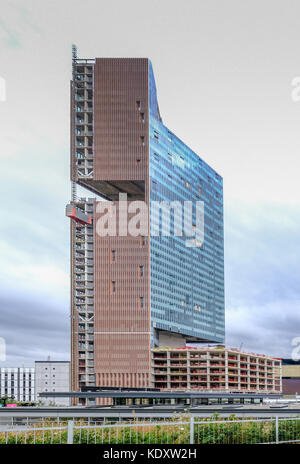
x=223 y=72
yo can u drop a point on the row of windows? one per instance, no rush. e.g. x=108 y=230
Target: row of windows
x=187 y=185
x=142 y=119
x=191 y=155
x=113 y=289
x=113 y=286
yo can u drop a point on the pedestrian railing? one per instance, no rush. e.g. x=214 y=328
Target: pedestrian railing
x=190 y=430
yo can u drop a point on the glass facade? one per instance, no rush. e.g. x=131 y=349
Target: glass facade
x=187 y=283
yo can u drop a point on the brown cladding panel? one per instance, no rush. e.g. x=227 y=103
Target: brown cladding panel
x=122 y=338
x=122 y=327
x=119 y=83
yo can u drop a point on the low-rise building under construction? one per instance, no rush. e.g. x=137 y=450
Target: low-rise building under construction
x=214 y=369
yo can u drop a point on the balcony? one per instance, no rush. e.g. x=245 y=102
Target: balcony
x=79 y=284
x=79 y=97
x=79 y=294
x=203 y=364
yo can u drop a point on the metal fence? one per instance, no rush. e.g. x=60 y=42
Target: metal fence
x=186 y=431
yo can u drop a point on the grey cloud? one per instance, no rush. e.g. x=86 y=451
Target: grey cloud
x=34 y=326
x=262 y=278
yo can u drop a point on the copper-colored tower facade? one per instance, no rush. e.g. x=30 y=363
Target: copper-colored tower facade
x=110 y=305
x=122 y=326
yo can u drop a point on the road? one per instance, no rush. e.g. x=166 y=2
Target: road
x=6 y=414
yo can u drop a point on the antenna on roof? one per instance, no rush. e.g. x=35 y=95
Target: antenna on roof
x=74 y=52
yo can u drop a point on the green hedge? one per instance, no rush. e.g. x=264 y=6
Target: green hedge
x=220 y=432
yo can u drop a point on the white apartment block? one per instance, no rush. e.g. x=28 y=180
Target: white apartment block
x=18 y=383
x=52 y=376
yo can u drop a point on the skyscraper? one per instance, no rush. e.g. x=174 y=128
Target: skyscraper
x=134 y=291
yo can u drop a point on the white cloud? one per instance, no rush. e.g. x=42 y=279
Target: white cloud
x=24 y=270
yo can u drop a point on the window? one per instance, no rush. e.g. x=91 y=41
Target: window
x=138 y=161
x=170 y=136
x=138 y=105
x=142 y=241
x=113 y=256
x=141 y=271
x=113 y=286
x=142 y=140
x=142 y=117
x=141 y=302
x=153 y=185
